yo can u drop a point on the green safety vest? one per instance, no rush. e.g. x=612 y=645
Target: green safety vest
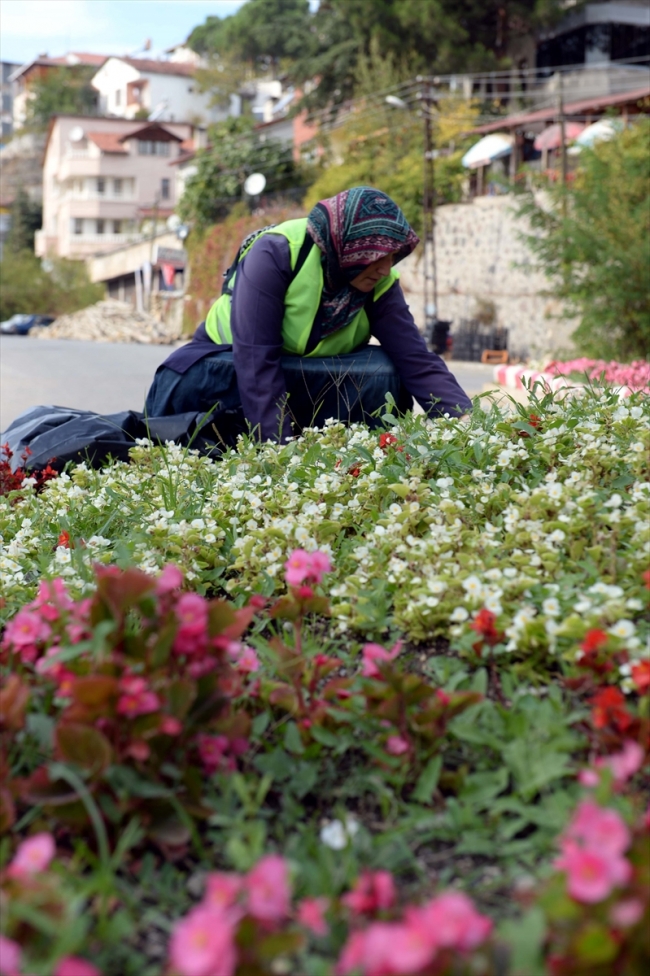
x=301 y=303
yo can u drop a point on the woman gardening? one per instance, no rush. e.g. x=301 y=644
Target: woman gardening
x=286 y=344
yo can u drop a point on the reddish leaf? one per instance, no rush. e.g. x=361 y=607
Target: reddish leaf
x=83 y=745
x=123 y=590
x=39 y=789
x=94 y=690
x=14 y=696
x=221 y=616
x=181 y=697
x=7 y=810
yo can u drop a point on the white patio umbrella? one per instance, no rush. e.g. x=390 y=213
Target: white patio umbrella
x=599 y=131
x=487 y=149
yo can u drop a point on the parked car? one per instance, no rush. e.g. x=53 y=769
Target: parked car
x=21 y=324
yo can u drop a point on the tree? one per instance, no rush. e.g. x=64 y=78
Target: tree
x=26 y=218
x=237 y=150
x=437 y=35
x=61 y=90
x=384 y=147
x=592 y=240
x=26 y=286
x=261 y=33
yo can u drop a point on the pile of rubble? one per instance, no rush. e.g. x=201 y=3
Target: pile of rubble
x=108 y=321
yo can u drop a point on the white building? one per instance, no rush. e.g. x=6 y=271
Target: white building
x=106 y=181
x=162 y=90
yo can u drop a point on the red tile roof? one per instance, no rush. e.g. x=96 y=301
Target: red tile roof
x=149 y=66
x=108 y=142
x=583 y=107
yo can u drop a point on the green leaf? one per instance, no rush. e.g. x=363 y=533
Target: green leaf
x=595 y=944
x=292 y=740
x=525 y=938
x=428 y=780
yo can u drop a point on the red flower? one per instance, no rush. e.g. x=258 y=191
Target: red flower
x=641 y=677
x=64 y=541
x=355 y=470
x=646 y=578
x=483 y=624
x=609 y=710
x=389 y=440
x=594 y=640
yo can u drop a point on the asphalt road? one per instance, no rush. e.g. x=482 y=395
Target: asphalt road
x=107 y=376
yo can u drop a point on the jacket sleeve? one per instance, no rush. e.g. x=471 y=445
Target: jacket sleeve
x=424 y=374
x=257 y=311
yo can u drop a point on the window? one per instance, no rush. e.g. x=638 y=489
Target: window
x=100 y=227
x=117 y=188
x=118 y=97
x=78 y=225
x=164 y=190
x=117 y=226
x=101 y=186
x=146 y=147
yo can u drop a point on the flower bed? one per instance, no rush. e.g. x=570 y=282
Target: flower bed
x=368 y=703
x=626 y=378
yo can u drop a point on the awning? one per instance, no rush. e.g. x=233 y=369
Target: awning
x=600 y=131
x=491 y=147
x=551 y=138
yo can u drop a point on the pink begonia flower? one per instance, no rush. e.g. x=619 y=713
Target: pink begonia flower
x=588 y=778
x=247 y=660
x=626 y=913
x=454 y=921
x=9 y=957
x=626 y=763
x=75 y=966
x=192 y=613
x=320 y=565
x=137 y=698
x=306 y=567
x=170 y=726
x=311 y=914
x=373 y=653
x=599 y=829
x=387 y=949
x=169 y=580
x=25 y=630
x=373 y=892
x=202 y=944
x=212 y=750
x=396 y=745
x=267 y=885
x=298 y=566
x=591 y=876
x=32 y=856
x=222 y=890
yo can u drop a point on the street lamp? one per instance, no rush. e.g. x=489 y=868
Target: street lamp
x=425 y=97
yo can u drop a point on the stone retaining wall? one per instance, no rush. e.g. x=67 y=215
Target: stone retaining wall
x=477 y=246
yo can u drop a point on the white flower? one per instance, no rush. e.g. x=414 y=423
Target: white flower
x=633 y=603
x=436 y=586
x=623 y=629
x=615 y=501
x=557 y=536
x=336 y=835
x=551 y=607
x=493 y=605
x=473 y=587
x=637 y=447
x=459 y=615
x=554 y=490
x=636 y=413
x=395 y=509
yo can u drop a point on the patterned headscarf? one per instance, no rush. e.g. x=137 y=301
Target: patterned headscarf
x=352 y=230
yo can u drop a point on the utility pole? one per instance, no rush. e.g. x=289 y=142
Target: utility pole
x=429 y=215
x=561 y=120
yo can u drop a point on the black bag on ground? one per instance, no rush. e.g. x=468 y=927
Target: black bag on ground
x=56 y=435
